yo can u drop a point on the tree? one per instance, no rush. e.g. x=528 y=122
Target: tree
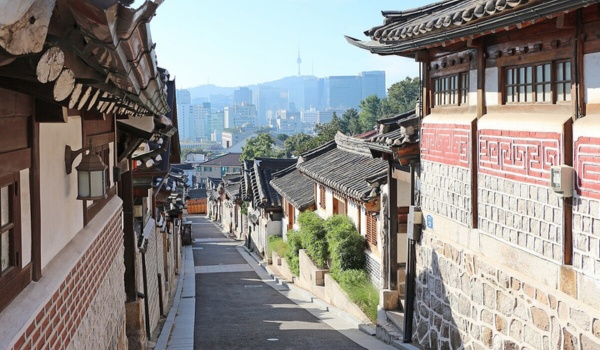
x=403 y=95
x=369 y=112
x=282 y=137
x=350 y=122
x=259 y=146
x=186 y=151
x=297 y=144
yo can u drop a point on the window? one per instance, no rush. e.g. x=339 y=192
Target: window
x=322 y=196
x=548 y=82
x=451 y=90
x=207 y=168
x=10 y=240
x=372 y=229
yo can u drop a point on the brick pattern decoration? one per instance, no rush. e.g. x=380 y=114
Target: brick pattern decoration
x=57 y=323
x=587 y=166
x=373 y=267
x=586 y=237
x=154 y=266
x=465 y=303
x=521 y=214
x=446 y=143
x=519 y=155
x=446 y=190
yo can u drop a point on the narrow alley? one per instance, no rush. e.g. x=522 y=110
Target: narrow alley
x=240 y=306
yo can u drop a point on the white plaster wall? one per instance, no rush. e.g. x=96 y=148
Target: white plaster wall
x=491 y=87
x=591 y=75
x=353 y=212
x=329 y=201
x=62 y=213
x=472 y=97
x=403 y=196
x=25 y=217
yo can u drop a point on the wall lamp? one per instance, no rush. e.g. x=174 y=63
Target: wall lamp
x=91 y=174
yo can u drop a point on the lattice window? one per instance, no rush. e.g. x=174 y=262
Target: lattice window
x=451 y=90
x=372 y=229
x=548 y=82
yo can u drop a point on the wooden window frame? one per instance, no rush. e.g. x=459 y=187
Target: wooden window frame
x=322 y=197
x=371 y=234
x=541 y=78
x=450 y=90
x=16 y=277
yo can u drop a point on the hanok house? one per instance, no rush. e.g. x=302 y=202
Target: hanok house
x=297 y=195
x=68 y=71
x=231 y=220
x=509 y=188
x=264 y=209
x=340 y=170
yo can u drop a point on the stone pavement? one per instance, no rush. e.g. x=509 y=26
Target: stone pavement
x=178 y=330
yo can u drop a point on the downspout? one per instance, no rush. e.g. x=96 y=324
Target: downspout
x=409 y=295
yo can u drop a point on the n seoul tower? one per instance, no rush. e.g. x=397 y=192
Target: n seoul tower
x=299 y=60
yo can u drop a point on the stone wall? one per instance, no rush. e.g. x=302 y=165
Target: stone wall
x=464 y=300
x=155 y=266
x=446 y=190
x=373 y=267
x=528 y=216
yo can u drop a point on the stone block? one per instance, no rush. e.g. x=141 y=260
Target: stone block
x=540 y=318
x=568 y=281
x=389 y=299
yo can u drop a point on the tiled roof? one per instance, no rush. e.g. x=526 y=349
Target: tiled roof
x=445 y=21
x=258 y=173
x=231 y=184
x=294 y=187
x=197 y=193
x=396 y=133
x=228 y=159
x=264 y=168
x=345 y=167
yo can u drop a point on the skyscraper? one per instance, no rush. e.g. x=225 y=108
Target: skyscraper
x=242 y=96
x=345 y=91
x=373 y=83
x=270 y=100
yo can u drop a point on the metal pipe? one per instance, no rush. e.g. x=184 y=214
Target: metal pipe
x=409 y=296
x=146 y=302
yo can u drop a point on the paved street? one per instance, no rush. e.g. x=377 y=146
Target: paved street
x=240 y=307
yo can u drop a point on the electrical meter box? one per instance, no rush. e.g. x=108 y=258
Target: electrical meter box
x=561 y=180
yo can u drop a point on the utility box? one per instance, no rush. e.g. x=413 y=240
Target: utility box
x=186 y=235
x=561 y=180
x=415 y=219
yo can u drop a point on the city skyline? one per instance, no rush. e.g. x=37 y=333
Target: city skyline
x=235 y=43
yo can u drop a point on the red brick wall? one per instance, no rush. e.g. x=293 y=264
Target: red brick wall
x=587 y=166
x=55 y=325
x=519 y=155
x=446 y=143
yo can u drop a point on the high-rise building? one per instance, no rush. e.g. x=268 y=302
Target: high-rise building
x=185 y=114
x=239 y=115
x=270 y=100
x=373 y=83
x=242 y=96
x=345 y=91
x=201 y=115
x=184 y=97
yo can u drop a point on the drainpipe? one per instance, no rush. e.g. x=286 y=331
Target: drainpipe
x=409 y=296
x=146 y=295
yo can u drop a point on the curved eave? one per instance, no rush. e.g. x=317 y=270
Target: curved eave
x=475 y=29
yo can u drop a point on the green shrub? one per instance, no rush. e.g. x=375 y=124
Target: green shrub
x=346 y=245
x=278 y=245
x=294 y=243
x=312 y=228
x=361 y=291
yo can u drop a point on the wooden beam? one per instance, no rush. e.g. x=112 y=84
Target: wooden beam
x=36 y=203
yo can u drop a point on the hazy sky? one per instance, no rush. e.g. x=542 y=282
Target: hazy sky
x=234 y=43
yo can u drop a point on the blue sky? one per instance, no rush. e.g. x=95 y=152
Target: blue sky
x=241 y=42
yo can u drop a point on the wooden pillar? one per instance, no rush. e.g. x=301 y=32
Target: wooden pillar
x=130 y=241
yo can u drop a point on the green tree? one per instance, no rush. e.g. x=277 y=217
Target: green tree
x=297 y=144
x=369 y=112
x=186 y=151
x=259 y=146
x=350 y=122
x=403 y=95
x=283 y=137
